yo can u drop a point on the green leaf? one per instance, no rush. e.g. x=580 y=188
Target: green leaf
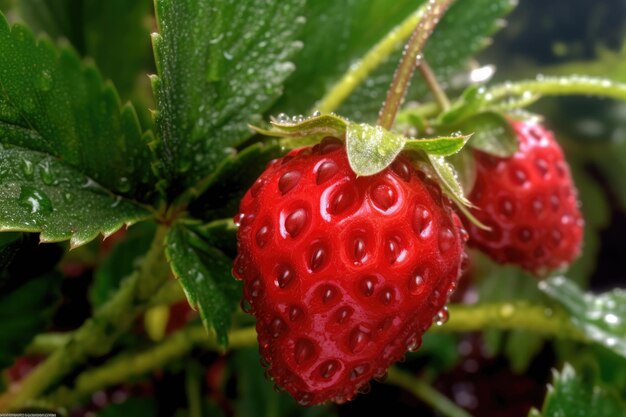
x=41 y=194
x=220 y=65
x=602 y=317
x=204 y=272
x=570 y=395
x=463 y=31
x=465 y=165
x=71 y=157
x=449 y=178
x=29 y=292
x=440 y=146
x=109 y=24
x=371 y=148
x=299 y=126
x=221 y=194
x=336 y=34
x=493 y=134
x=121 y=262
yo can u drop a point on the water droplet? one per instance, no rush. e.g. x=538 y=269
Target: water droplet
x=44 y=81
x=359 y=337
x=329 y=368
x=413 y=342
x=365 y=388
x=442 y=316
x=277 y=327
x=35 y=200
x=303 y=351
x=358 y=370
x=27 y=168
x=294 y=223
x=326 y=171
x=255 y=288
x=238 y=218
x=283 y=118
x=304 y=398
x=46 y=175
x=288 y=181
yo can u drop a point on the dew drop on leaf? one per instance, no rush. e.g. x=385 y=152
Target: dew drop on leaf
x=35 y=200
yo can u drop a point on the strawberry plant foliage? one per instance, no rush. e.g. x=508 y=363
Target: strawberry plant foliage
x=61 y=176
x=348 y=243
x=220 y=64
x=572 y=394
x=204 y=273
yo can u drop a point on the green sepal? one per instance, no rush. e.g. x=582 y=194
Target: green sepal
x=315 y=126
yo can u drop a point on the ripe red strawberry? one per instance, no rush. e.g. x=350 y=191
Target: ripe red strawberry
x=530 y=203
x=343 y=274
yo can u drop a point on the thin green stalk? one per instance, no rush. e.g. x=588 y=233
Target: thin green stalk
x=402 y=78
x=360 y=70
x=128 y=366
x=97 y=336
x=556 y=86
x=433 y=85
x=425 y=392
x=193 y=387
x=463 y=318
x=514 y=315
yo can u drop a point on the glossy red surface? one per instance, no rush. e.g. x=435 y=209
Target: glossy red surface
x=530 y=203
x=343 y=274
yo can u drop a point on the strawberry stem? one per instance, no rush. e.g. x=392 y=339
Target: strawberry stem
x=435 y=88
x=524 y=93
x=410 y=59
x=96 y=336
x=361 y=69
